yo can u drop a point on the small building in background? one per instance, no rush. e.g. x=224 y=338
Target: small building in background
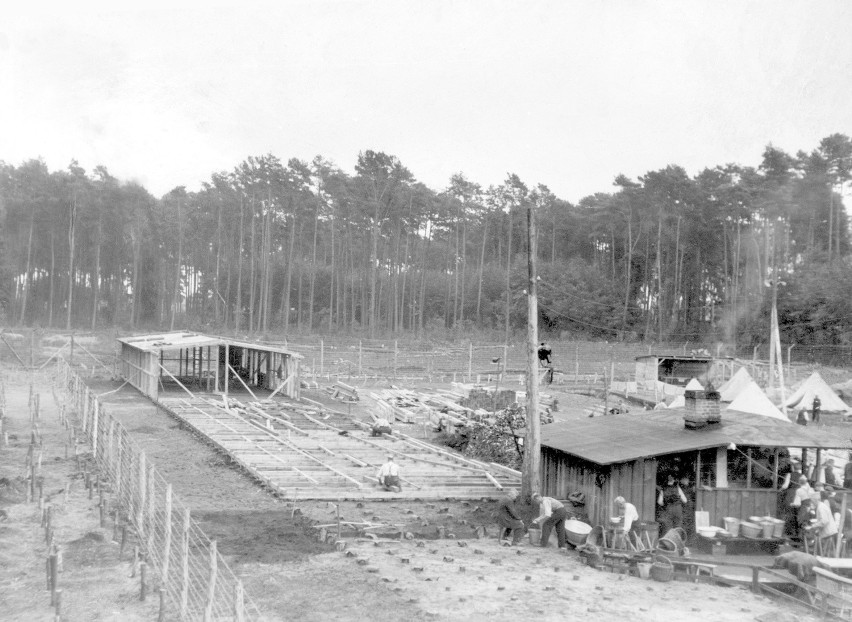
x=678 y=370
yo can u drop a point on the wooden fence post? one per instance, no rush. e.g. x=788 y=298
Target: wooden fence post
x=95 y=413
x=211 y=585
x=167 y=543
x=184 y=558
x=140 y=508
x=109 y=450
x=239 y=605
x=152 y=501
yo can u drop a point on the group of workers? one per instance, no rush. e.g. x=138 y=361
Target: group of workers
x=552 y=515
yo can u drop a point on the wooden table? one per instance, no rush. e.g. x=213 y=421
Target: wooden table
x=741 y=545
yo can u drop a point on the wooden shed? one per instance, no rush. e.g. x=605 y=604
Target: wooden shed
x=192 y=361
x=735 y=467
x=679 y=370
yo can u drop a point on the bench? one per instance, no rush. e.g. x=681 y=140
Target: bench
x=343 y=392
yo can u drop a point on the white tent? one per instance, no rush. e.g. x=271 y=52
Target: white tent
x=752 y=400
x=731 y=388
x=678 y=402
x=816 y=386
x=693 y=385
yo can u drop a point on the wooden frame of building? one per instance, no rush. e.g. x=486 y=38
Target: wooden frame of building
x=153 y=362
x=622 y=455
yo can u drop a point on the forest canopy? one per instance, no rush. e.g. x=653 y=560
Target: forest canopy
x=306 y=247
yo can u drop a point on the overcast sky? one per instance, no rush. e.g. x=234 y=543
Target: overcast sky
x=568 y=94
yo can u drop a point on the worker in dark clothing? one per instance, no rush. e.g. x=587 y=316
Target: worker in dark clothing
x=847 y=474
x=671 y=500
x=815 y=410
x=544 y=353
x=508 y=518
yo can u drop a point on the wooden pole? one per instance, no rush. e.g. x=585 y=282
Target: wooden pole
x=184 y=560
x=838 y=547
x=167 y=544
x=211 y=585
x=239 y=606
x=531 y=475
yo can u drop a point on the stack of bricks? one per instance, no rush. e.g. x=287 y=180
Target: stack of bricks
x=702 y=409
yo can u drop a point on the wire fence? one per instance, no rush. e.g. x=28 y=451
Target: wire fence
x=198 y=582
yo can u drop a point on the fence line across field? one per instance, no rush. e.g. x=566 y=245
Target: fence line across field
x=197 y=580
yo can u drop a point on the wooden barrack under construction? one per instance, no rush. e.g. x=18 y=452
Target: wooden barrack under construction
x=306 y=452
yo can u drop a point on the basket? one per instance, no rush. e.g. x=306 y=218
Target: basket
x=751 y=530
x=662 y=569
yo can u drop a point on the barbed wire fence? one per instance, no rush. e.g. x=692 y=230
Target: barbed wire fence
x=197 y=580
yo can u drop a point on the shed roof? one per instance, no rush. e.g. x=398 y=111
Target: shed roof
x=178 y=340
x=613 y=439
x=170 y=341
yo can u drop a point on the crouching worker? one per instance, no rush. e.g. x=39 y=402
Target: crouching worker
x=508 y=519
x=380 y=426
x=553 y=514
x=388 y=476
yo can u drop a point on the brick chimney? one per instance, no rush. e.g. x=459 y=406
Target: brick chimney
x=702 y=408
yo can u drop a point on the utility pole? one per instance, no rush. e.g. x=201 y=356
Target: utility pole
x=531 y=475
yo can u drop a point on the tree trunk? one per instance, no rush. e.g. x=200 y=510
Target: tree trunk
x=176 y=295
x=481 y=269
x=71 y=225
x=96 y=276
x=238 y=306
x=52 y=272
x=508 y=275
x=28 y=271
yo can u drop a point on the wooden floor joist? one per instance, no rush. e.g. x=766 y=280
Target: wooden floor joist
x=300 y=450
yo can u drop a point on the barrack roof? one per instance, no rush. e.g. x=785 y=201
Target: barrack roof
x=178 y=340
x=611 y=439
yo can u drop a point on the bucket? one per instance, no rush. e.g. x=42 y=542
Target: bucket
x=768 y=528
x=644 y=569
x=732 y=525
x=778 y=531
x=535 y=537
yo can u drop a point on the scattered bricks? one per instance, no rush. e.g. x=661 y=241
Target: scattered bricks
x=496 y=561
x=409 y=511
x=391 y=552
x=462 y=599
x=373 y=570
x=420 y=544
x=417 y=568
x=461 y=543
x=430 y=505
x=500 y=588
x=610 y=598
x=549 y=588
x=361 y=562
x=514 y=598
x=433 y=551
x=520 y=552
x=576 y=577
x=599 y=588
x=696 y=609
x=376 y=519
x=447 y=589
x=528 y=578
x=350 y=554
x=466 y=503
x=444 y=511
x=448 y=559
x=462 y=569
x=481 y=578
x=405 y=560
x=478 y=552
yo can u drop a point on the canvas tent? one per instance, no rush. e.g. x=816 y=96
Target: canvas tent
x=752 y=400
x=736 y=383
x=693 y=385
x=815 y=386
